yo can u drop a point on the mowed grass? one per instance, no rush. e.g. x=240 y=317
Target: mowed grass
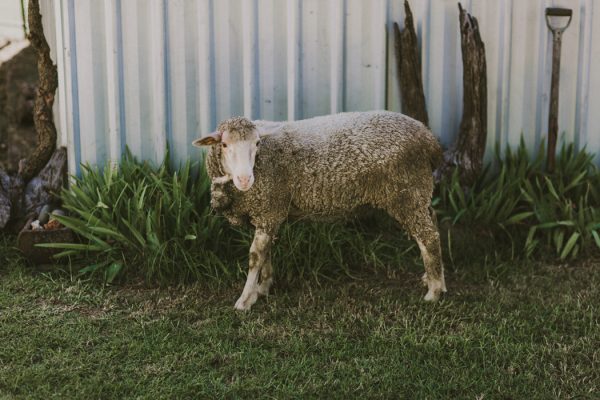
x=507 y=331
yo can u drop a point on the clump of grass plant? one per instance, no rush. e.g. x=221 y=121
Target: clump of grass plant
x=156 y=222
x=144 y=219
x=538 y=211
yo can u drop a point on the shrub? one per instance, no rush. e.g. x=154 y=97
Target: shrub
x=546 y=211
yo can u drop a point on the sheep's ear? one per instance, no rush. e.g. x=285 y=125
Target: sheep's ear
x=208 y=140
x=268 y=128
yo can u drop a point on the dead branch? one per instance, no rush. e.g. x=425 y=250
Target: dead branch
x=467 y=152
x=408 y=63
x=48 y=82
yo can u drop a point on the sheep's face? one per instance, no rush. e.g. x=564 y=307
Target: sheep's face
x=237 y=158
x=238 y=139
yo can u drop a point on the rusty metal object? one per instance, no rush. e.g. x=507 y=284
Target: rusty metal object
x=28 y=238
x=557 y=32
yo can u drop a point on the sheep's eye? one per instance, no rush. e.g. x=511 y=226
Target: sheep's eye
x=224 y=145
x=257 y=144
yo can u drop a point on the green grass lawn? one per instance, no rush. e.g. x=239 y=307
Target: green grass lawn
x=512 y=331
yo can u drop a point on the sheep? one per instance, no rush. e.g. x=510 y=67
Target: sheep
x=264 y=173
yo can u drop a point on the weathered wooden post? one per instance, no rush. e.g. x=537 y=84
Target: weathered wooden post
x=557 y=23
x=408 y=63
x=467 y=152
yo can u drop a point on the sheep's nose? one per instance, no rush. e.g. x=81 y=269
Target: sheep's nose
x=245 y=181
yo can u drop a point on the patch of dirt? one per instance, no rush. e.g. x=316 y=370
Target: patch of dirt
x=18 y=83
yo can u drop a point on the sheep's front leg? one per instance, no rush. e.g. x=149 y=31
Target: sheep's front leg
x=259 y=253
x=266 y=275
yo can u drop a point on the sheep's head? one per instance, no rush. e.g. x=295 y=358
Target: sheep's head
x=238 y=138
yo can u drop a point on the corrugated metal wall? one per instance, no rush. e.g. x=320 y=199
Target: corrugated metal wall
x=150 y=72
x=11 y=21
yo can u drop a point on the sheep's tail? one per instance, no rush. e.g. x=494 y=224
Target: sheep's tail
x=436 y=152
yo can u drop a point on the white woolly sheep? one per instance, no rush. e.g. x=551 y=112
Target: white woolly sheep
x=329 y=166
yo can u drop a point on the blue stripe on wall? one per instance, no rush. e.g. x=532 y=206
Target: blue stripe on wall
x=121 y=75
x=74 y=88
x=167 y=75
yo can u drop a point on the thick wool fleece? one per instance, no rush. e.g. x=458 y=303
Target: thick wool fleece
x=237 y=128
x=333 y=166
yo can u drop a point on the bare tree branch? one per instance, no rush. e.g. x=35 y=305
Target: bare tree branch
x=48 y=82
x=467 y=152
x=408 y=62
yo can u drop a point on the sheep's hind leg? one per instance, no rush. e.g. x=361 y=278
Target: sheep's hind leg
x=434 y=271
x=423 y=229
x=259 y=252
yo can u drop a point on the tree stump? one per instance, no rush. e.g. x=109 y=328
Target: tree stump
x=467 y=152
x=408 y=62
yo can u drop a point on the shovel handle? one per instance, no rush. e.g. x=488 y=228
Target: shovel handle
x=559 y=12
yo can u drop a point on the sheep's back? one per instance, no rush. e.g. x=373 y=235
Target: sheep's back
x=374 y=137
x=340 y=162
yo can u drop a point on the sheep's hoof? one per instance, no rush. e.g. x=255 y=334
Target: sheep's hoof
x=435 y=287
x=263 y=288
x=245 y=302
x=424 y=280
x=432 y=296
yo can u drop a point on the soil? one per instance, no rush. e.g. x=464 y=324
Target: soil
x=18 y=83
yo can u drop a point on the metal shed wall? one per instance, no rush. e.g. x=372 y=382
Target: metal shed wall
x=11 y=21
x=147 y=73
